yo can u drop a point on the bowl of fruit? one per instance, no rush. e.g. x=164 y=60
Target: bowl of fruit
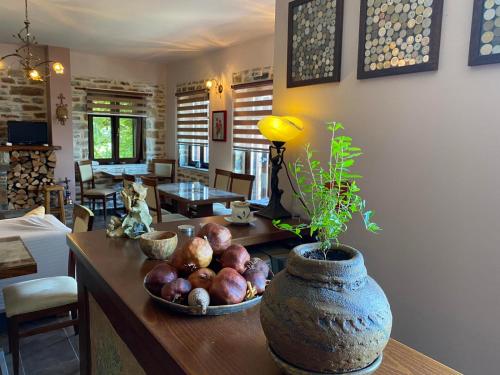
x=209 y=276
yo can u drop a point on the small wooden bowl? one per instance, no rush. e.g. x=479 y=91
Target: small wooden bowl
x=158 y=245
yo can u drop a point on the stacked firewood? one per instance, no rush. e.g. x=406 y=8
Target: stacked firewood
x=29 y=172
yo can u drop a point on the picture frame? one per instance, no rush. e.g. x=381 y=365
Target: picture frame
x=485 y=33
x=302 y=54
x=219 y=126
x=415 y=27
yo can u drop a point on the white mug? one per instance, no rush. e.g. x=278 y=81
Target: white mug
x=240 y=211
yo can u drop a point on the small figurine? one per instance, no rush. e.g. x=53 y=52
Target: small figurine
x=138 y=220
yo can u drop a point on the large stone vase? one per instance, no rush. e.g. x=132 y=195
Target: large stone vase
x=325 y=316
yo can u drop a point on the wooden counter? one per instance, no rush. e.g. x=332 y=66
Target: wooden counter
x=123 y=331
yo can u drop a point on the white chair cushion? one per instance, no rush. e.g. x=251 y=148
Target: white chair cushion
x=99 y=192
x=86 y=172
x=163 y=169
x=39 y=294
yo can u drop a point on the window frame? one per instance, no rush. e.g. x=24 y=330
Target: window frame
x=115 y=140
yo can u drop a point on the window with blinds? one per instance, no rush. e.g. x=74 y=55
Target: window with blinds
x=192 y=128
x=104 y=102
x=252 y=102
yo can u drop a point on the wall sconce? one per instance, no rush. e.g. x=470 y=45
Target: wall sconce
x=218 y=84
x=61 y=110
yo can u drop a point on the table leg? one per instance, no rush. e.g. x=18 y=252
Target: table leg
x=183 y=208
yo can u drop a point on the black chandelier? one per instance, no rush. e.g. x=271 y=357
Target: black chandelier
x=34 y=68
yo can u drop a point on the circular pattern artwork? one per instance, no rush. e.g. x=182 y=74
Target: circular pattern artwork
x=490 y=30
x=398 y=34
x=313 y=54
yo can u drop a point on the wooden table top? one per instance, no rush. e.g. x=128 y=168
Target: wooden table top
x=197 y=193
x=228 y=344
x=15 y=258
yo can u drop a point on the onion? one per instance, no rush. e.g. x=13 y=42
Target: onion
x=257 y=279
x=235 y=256
x=201 y=278
x=218 y=236
x=195 y=254
x=176 y=291
x=257 y=264
x=228 y=287
x=160 y=275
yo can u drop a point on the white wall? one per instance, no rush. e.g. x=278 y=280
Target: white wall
x=431 y=143
x=220 y=64
x=85 y=64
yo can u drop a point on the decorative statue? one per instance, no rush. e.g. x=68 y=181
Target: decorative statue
x=138 y=220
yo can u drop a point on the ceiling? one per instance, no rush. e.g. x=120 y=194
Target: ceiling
x=151 y=30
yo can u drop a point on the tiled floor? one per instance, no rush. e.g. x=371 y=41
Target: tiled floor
x=51 y=353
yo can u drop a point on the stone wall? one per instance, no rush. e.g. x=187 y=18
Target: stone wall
x=20 y=99
x=192 y=174
x=155 y=123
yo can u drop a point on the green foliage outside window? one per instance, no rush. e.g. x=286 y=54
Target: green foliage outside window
x=126 y=143
x=102 y=138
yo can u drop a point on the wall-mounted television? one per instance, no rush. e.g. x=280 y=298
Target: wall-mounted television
x=27 y=132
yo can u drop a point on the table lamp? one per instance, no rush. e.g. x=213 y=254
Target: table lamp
x=278 y=130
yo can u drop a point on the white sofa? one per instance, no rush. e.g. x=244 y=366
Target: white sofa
x=45 y=238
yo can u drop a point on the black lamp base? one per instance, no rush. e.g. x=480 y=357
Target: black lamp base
x=274 y=211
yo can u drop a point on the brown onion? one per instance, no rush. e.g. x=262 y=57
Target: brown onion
x=258 y=264
x=235 y=256
x=160 y=275
x=257 y=279
x=218 y=236
x=176 y=291
x=228 y=287
x=195 y=254
x=201 y=278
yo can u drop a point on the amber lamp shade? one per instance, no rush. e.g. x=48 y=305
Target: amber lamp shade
x=278 y=130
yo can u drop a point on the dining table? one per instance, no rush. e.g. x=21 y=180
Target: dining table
x=116 y=171
x=123 y=330
x=185 y=195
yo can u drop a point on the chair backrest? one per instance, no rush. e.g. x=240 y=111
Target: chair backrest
x=164 y=168
x=83 y=220
x=242 y=184
x=128 y=180
x=222 y=179
x=84 y=173
x=153 y=197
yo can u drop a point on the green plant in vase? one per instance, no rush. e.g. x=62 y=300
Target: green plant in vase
x=323 y=313
x=329 y=195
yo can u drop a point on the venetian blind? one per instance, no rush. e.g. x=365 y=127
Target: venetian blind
x=126 y=103
x=192 y=117
x=252 y=102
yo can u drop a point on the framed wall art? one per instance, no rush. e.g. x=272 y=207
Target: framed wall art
x=219 y=126
x=485 y=34
x=399 y=37
x=314 y=41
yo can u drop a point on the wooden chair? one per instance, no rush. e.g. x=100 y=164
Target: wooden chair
x=128 y=179
x=158 y=214
x=242 y=184
x=164 y=169
x=85 y=175
x=47 y=297
x=222 y=179
x=222 y=182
